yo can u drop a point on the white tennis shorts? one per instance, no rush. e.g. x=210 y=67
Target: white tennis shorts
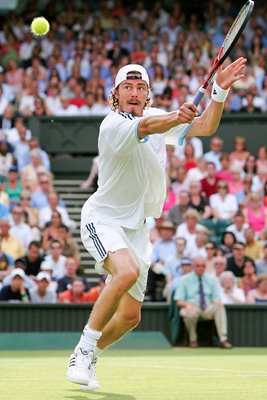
x=99 y=238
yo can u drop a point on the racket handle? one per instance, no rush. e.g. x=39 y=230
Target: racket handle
x=196 y=101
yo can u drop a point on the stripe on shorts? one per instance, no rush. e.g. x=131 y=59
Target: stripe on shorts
x=97 y=242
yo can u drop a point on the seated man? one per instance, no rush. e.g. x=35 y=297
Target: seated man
x=198 y=297
x=42 y=293
x=16 y=291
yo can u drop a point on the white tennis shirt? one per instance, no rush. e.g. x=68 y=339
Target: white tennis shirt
x=132 y=182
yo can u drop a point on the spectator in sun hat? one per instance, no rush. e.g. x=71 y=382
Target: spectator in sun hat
x=174 y=269
x=198 y=247
x=42 y=293
x=188 y=229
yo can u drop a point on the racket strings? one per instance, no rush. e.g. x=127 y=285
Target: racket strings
x=235 y=30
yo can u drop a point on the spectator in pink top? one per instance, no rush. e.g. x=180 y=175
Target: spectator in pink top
x=255 y=213
x=224 y=174
x=170 y=199
x=236 y=184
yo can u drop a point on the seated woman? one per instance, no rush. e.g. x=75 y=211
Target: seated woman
x=6 y=160
x=224 y=174
x=51 y=230
x=261 y=161
x=255 y=213
x=259 y=294
x=248 y=281
x=239 y=155
x=227 y=242
x=236 y=184
x=198 y=201
x=190 y=160
x=13 y=186
x=223 y=204
x=230 y=293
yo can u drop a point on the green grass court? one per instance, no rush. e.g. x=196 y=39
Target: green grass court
x=174 y=374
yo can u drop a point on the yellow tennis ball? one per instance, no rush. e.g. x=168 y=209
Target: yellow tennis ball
x=40 y=26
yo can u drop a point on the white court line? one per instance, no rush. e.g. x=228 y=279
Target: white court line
x=240 y=371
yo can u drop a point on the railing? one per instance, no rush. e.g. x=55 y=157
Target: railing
x=247 y=324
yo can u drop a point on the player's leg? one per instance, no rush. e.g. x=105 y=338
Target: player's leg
x=125 y=271
x=125 y=319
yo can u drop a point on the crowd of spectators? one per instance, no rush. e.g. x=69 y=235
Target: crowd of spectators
x=71 y=70
x=216 y=202
x=215 y=209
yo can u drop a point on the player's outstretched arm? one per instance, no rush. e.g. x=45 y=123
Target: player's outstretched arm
x=208 y=122
x=163 y=122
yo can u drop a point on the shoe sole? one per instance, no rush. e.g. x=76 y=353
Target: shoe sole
x=90 y=387
x=77 y=380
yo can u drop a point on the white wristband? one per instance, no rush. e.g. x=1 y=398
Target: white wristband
x=218 y=94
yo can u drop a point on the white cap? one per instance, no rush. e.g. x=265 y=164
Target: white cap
x=124 y=71
x=43 y=275
x=17 y=272
x=46 y=266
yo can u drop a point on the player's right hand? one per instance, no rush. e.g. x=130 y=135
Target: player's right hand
x=186 y=113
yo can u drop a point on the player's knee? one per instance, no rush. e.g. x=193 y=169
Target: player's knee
x=129 y=276
x=131 y=320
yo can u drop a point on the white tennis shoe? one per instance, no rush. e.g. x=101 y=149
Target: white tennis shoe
x=80 y=365
x=93 y=383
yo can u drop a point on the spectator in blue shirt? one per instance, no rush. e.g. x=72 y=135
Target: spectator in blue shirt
x=198 y=297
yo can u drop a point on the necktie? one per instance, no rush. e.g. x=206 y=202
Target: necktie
x=202 y=301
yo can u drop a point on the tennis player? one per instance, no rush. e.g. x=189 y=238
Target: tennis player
x=131 y=188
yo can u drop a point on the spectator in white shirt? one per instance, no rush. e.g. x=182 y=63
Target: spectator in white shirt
x=198 y=248
x=42 y=293
x=45 y=213
x=53 y=101
x=238 y=227
x=19 y=133
x=215 y=153
x=19 y=229
x=230 y=293
x=188 y=229
x=26 y=48
x=3 y=102
x=196 y=143
x=66 y=109
x=55 y=260
x=223 y=204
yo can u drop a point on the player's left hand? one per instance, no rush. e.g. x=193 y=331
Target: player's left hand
x=232 y=73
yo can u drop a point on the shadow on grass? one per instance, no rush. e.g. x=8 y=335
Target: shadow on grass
x=99 y=396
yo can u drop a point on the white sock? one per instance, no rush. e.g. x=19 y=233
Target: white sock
x=98 y=351
x=88 y=339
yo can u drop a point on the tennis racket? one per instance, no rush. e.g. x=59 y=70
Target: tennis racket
x=230 y=40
